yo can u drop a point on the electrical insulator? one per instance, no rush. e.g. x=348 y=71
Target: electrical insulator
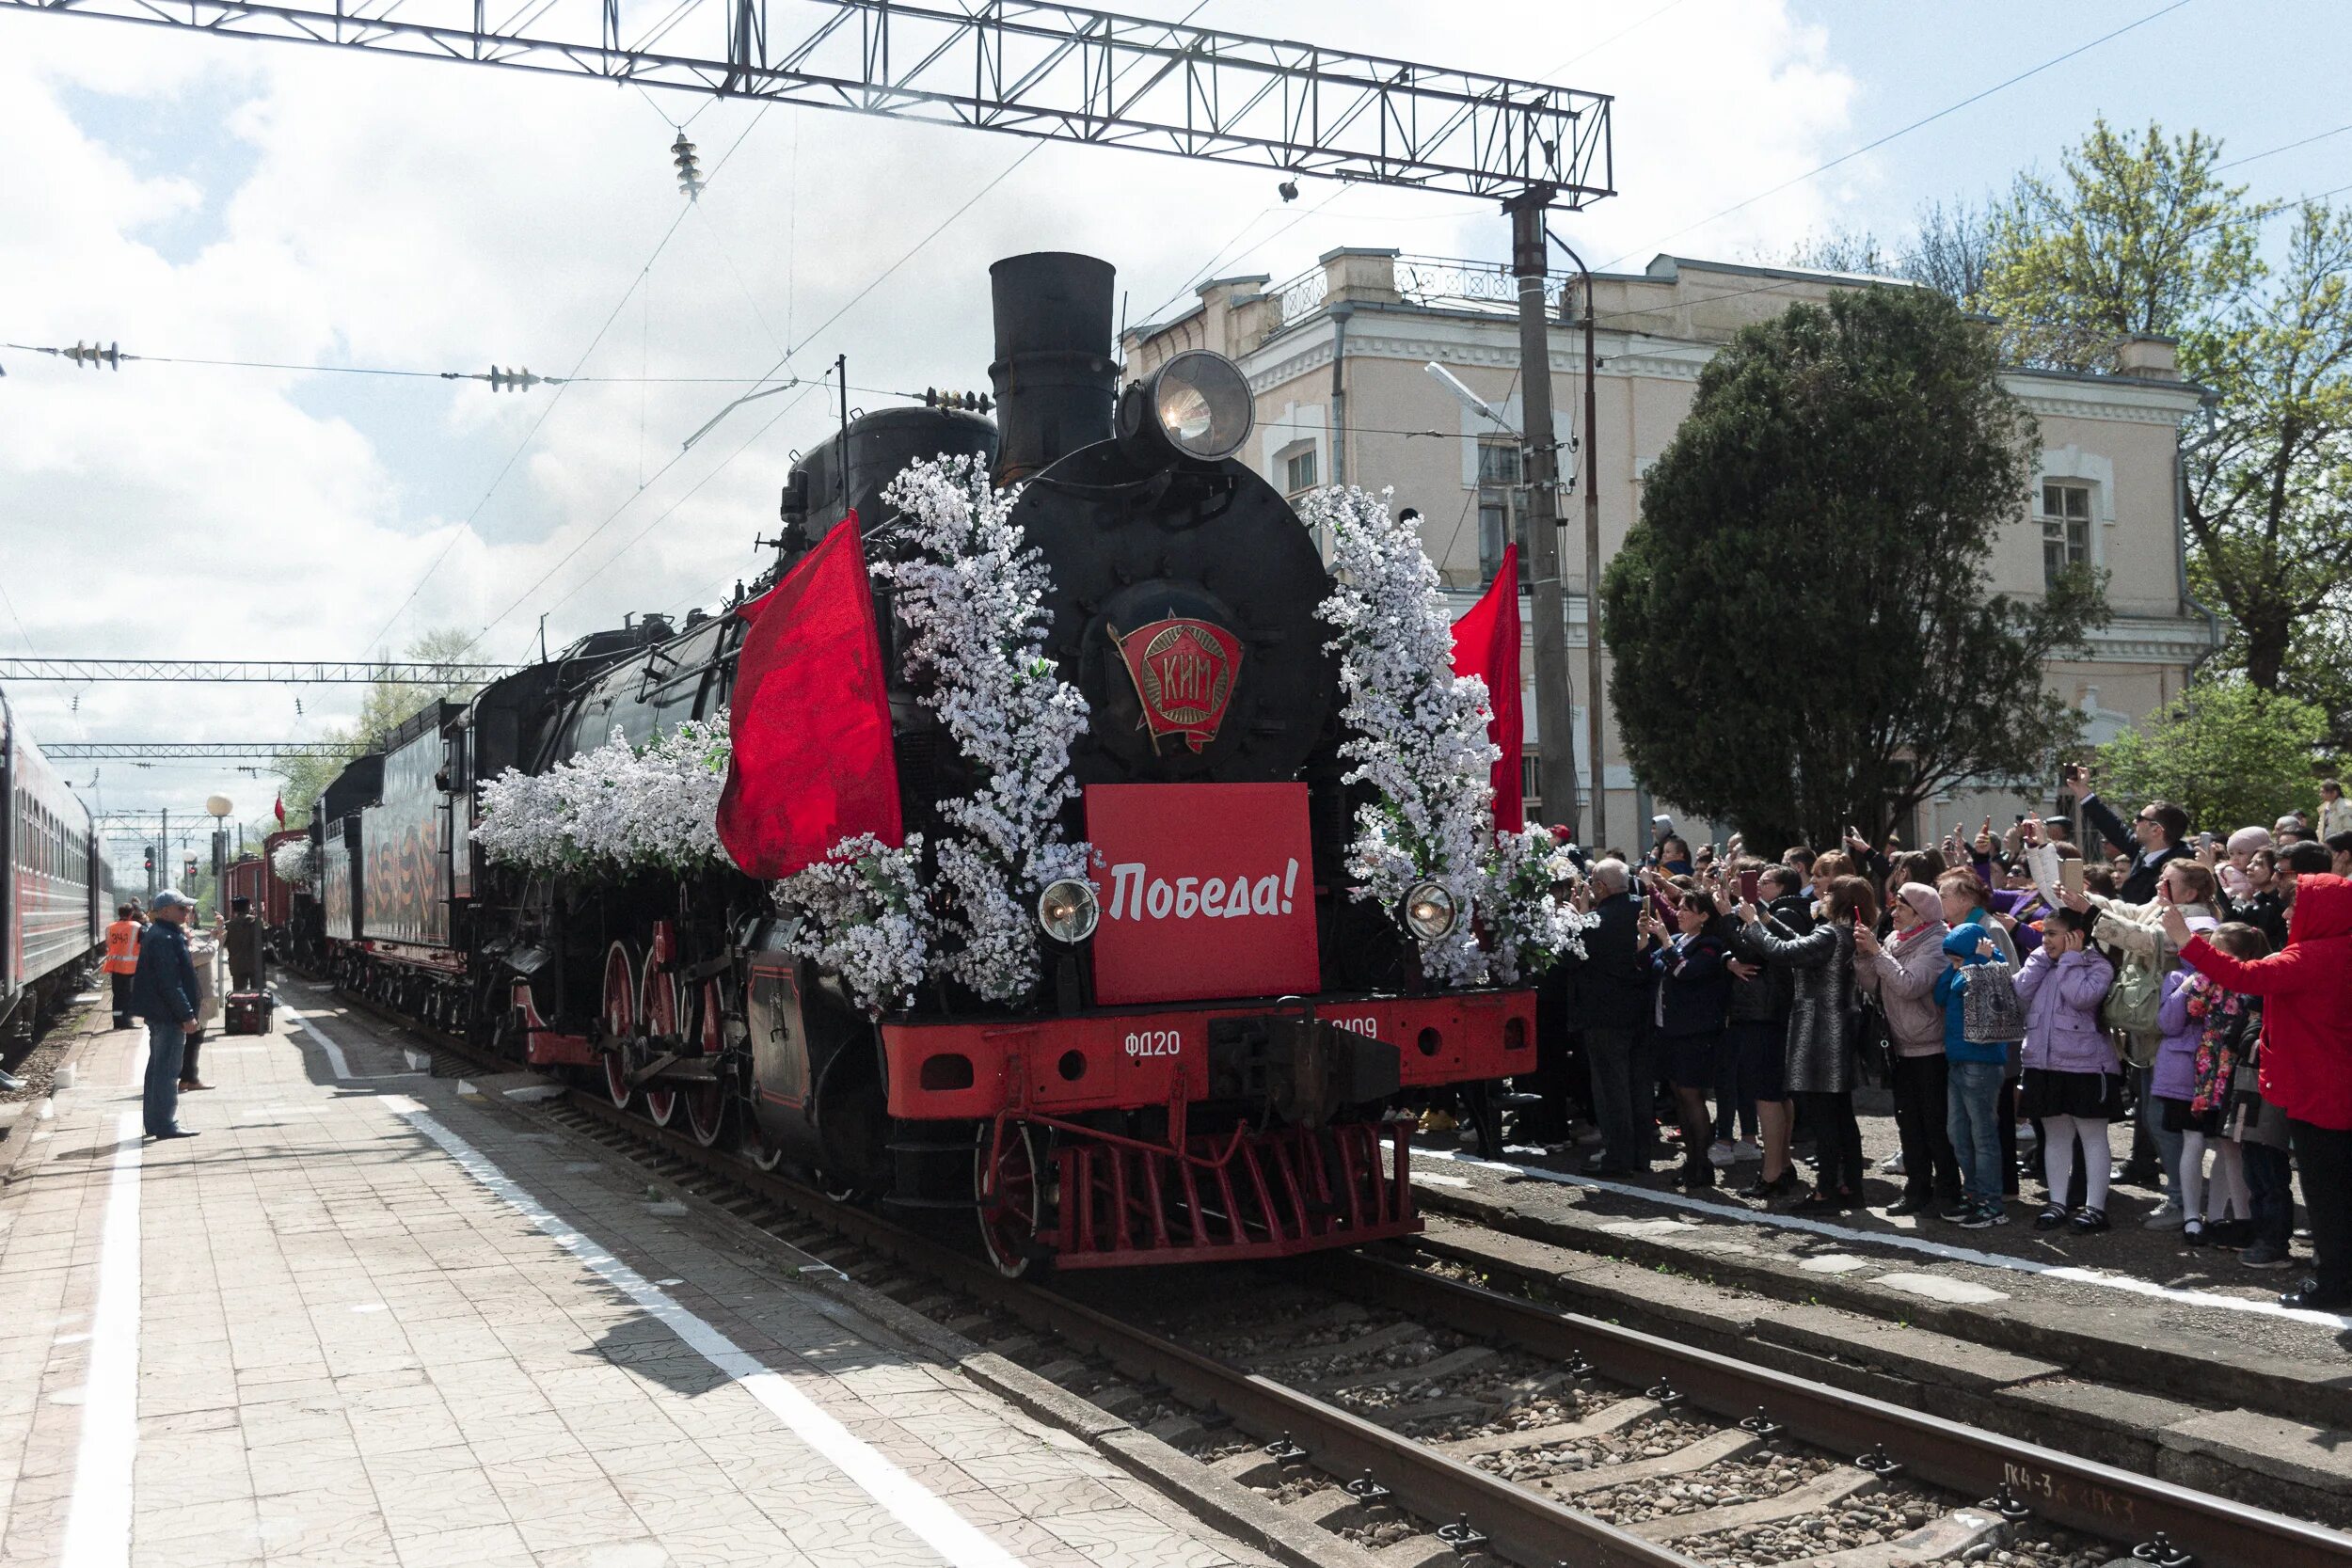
x=512 y=380
x=690 y=179
x=90 y=356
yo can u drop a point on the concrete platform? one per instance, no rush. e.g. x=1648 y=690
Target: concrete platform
x=362 y=1321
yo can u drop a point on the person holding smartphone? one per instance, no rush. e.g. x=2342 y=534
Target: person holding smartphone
x=1819 y=1058
x=1694 y=994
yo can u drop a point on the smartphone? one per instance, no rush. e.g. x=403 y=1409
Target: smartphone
x=1750 y=882
x=2070 y=876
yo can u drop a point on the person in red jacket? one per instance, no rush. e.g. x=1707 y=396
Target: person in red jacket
x=2306 y=989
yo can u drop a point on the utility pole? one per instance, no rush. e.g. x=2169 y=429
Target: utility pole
x=1539 y=536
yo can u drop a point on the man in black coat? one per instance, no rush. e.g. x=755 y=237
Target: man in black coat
x=2154 y=838
x=165 y=992
x=1614 y=986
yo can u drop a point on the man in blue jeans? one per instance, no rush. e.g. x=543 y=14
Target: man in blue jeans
x=1975 y=1070
x=164 y=992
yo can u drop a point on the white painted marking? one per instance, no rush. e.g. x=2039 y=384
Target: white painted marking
x=908 y=1500
x=334 y=1053
x=1433 y=1179
x=1909 y=1244
x=98 y=1519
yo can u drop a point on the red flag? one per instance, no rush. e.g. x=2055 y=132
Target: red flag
x=282 y=808
x=810 y=718
x=1486 y=643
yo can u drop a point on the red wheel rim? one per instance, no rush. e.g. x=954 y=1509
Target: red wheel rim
x=657 y=1009
x=1008 y=1212
x=620 y=1020
x=707 y=1104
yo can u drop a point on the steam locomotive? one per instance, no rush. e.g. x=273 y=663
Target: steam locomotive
x=1219 y=1059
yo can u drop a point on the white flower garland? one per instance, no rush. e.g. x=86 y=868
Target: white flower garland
x=862 y=916
x=1417 y=731
x=971 y=592
x=1418 y=736
x=290 y=861
x=1527 y=930
x=617 y=807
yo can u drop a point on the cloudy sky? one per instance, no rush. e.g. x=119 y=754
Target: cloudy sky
x=232 y=201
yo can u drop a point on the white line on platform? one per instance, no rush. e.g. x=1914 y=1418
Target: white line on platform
x=334 y=1053
x=914 y=1506
x=1908 y=1243
x=98 y=1519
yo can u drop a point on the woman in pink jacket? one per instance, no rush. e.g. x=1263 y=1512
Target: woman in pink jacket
x=2074 y=1082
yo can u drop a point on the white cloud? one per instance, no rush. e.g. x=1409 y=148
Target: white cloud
x=381 y=212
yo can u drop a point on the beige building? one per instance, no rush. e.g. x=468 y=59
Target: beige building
x=1338 y=358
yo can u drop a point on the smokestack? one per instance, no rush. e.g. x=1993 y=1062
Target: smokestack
x=1055 y=382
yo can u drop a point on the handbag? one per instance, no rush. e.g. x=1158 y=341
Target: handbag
x=2132 y=1004
x=1990 y=1012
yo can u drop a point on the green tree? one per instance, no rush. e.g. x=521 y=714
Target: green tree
x=2227 y=751
x=1802 y=628
x=2270 y=480
x=2142 y=236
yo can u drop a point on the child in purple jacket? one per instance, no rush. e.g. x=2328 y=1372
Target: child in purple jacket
x=2219 y=1211
x=2074 y=1082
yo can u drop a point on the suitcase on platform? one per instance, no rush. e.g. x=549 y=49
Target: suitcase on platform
x=246 y=1012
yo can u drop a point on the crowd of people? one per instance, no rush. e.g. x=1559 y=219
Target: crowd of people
x=2194 y=987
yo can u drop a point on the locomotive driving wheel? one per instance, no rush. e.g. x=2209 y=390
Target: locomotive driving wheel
x=657 y=1014
x=764 y=1155
x=707 y=1101
x=620 y=1020
x=1011 y=1204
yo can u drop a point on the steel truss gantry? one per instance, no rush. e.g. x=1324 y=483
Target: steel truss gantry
x=199 y=751
x=1054 y=71
x=364 y=672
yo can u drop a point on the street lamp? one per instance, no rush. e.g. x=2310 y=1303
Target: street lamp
x=219 y=808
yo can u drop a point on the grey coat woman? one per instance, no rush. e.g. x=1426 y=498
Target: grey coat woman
x=1822 y=1015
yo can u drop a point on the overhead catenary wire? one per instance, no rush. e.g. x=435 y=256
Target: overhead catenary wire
x=1924 y=120
x=644 y=273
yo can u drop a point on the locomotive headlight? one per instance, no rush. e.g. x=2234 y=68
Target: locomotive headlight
x=1195 y=405
x=1429 y=911
x=1067 y=911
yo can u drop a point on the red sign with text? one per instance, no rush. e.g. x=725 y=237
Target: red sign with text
x=1207 y=892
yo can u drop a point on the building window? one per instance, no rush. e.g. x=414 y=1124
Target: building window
x=1498 y=462
x=2065 y=528
x=1298 y=471
x=1494 y=531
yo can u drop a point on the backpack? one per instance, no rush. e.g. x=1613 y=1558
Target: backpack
x=1991 y=1014
x=2133 y=1002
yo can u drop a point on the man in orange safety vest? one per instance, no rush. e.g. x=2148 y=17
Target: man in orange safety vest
x=123 y=961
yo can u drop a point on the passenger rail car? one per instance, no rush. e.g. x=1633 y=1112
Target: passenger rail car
x=56 y=889
x=1175 y=1089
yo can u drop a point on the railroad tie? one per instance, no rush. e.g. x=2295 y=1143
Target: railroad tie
x=1624 y=1413
x=1343 y=1350
x=1447 y=1365
x=1824 y=1491
x=1711 y=1450
x=1941 y=1540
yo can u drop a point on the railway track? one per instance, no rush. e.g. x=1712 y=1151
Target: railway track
x=1587 y=1442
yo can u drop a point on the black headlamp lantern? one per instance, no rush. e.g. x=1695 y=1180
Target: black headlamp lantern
x=1196 y=407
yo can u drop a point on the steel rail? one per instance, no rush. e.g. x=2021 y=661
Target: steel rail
x=2081 y=1493
x=1521 y=1524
